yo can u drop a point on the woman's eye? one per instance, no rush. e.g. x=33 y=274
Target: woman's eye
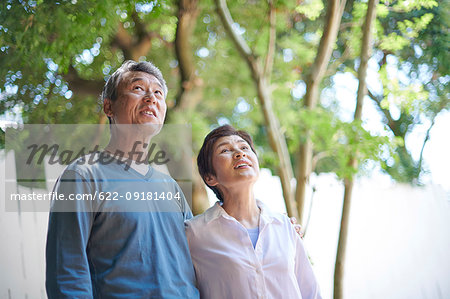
x=138 y=88
x=224 y=150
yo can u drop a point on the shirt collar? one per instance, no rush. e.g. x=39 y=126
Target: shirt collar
x=216 y=211
x=267 y=216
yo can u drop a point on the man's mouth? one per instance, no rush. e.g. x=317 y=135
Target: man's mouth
x=149 y=112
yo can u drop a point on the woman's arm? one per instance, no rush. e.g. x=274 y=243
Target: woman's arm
x=306 y=279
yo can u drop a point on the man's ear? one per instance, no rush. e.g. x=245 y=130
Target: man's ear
x=211 y=180
x=107 y=107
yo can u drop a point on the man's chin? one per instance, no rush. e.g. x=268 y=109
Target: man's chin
x=150 y=128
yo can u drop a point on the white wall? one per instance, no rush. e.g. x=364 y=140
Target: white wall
x=398 y=247
x=22 y=250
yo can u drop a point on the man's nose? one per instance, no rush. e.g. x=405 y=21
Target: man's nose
x=149 y=97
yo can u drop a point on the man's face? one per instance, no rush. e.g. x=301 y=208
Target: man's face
x=140 y=100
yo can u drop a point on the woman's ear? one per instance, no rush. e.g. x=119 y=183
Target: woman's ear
x=107 y=107
x=211 y=180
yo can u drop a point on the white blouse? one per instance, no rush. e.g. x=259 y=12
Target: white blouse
x=227 y=265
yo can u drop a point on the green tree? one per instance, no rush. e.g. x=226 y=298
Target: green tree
x=411 y=40
x=55 y=58
x=366 y=49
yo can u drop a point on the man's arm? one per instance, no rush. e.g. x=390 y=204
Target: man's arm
x=70 y=222
x=184 y=206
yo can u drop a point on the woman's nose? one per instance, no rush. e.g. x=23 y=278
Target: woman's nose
x=238 y=154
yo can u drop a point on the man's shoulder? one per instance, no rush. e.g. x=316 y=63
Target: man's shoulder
x=92 y=165
x=100 y=164
x=157 y=174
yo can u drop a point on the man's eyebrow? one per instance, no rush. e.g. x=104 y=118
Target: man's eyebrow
x=136 y=79
x=142 y=79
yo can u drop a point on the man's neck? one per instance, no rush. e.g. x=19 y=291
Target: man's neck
x=136 y=150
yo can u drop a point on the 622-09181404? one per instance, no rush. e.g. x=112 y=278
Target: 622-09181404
x=138 y=195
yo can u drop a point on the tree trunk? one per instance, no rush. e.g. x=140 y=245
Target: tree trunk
x=191 y=88
x=327 y=41
x=200 y=202
x=276 y=137
x=342 y=243
x=348 y=183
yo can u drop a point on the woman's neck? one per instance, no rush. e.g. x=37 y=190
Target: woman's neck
x=241 y=205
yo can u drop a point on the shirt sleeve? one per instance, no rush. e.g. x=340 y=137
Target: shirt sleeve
x=70 y=222
x=185 y=208
x=305 y=276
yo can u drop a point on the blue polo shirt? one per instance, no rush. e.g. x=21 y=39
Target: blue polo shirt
x=127 y=242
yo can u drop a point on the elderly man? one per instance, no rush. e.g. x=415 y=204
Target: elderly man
x=117 y=245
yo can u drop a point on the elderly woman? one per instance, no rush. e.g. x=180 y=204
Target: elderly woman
x=239 y=248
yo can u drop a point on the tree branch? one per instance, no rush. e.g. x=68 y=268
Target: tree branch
x=333 y=18
x=427 y=137
x=271 y=45
x=227 y=22
x=144 y=42
x=317 y=157
x=346 y=25
x=333 y=67
x=187 y=16
x=135 y=48
x=81 y=86
x=123 y=40
x=277 y=139
x=190 y=92
x=140 y=29
x=366 y=50
x=390 y=121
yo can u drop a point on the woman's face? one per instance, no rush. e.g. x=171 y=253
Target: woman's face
x=234 y=162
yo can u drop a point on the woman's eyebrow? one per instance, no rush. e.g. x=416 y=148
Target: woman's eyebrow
x=223 y=143
x=227 y=143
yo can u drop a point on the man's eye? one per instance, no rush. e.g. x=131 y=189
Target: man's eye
x=224 y=150
x=158 y=92
x=138 y=88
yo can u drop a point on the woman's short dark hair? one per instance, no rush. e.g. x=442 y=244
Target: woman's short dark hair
x=204 y=158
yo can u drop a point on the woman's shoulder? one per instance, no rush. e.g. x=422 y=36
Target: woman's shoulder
x=275 y=216
x=200 y=221
x=278 y=221
x=195 y=221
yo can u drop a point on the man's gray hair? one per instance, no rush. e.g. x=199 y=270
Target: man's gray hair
x=110 y=89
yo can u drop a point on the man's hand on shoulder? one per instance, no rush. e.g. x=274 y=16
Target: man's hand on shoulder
x=297 y=227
